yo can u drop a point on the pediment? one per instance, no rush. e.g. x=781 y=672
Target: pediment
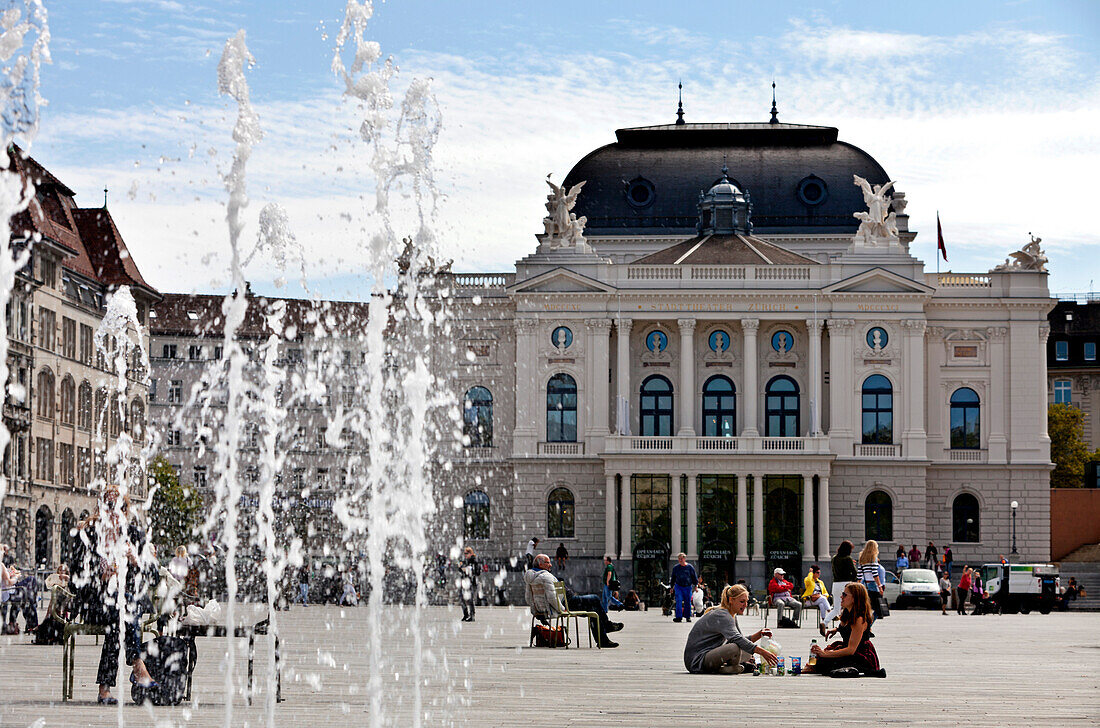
x=878 y=280
x=560 y=280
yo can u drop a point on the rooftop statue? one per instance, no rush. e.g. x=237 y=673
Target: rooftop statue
x=1030 y=258
x=563 y=228
x=877 y=226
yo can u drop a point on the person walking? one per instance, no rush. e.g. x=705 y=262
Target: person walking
x=683 y=582
x=610 y=586
x=845 y=571
x=303 y=584
x=931 y=556
x=869 y=575
x=470 y=568
x=945 y=593
x=962 y=592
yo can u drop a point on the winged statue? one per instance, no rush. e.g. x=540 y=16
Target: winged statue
x=563 y=227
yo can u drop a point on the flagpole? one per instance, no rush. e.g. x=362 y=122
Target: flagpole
x=937 y=247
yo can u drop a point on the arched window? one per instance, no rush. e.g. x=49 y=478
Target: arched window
x=559 y=513
x=656 y=407
x=137 y=419
x=878 y=516
x=781 y=408
x=964 y=519
x=68 y=401
x=45 y=394
x=84 y=406
x=477 y=417
x=561 y=409
x=878 y=411
x=719 y=408
x=965 y=420
x=475 y=515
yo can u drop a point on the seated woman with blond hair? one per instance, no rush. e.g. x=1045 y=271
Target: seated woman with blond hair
x=853 y=655
x=716 y=645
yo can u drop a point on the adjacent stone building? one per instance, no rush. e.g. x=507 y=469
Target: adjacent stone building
x=1074 y=371
x=63 y=425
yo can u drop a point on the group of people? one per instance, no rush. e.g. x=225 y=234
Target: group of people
x=931 y=558
x=717 y=645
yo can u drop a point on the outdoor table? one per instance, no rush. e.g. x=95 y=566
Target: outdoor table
x=189 y=632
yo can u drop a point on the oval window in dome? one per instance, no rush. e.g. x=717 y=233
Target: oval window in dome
x=812 y=190
x=640 y=192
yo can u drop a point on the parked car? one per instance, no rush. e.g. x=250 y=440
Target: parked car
x=891 y=589
x=917 y=587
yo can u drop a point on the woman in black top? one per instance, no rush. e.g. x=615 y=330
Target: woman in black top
x=844 y=571
x=854 y=653
x=104 y=539
x=470 y=568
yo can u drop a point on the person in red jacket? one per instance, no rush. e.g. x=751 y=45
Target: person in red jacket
x=963 y=592
x=779 y=591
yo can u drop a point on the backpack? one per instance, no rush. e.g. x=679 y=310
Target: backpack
x=546 y=637
x=170 y=661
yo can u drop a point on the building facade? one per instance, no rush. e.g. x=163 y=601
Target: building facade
x=740 y=359
x=1074 y=372
x=65 y=422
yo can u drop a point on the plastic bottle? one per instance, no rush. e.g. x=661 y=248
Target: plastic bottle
x=773 y=647
x=813 y=658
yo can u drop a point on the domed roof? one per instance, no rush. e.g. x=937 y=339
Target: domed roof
x=650 y=180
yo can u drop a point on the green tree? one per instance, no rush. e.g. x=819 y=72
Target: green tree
x=175 y=508
x=1068 y=450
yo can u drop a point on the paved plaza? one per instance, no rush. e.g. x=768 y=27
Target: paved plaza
x=988 y=670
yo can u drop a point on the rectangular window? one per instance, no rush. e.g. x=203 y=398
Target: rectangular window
x=1090 y=351
x=86 y=345
x=44 y=460
x=174 y=438
x=1063 y=391
x=194 y=353
x=200 y=476
x=175 y=391
x=83 y=467
x=47 y=325
x=65 y=457
x=169 y=351
x=152 y=390
x=1061 y=350
x=68 y=337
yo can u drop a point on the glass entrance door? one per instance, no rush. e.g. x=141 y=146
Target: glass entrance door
x=783 y=526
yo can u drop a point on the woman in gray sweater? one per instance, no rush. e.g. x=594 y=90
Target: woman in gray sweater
x=715 y=644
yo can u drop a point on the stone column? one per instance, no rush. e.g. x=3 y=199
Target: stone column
x=914 y=438
x=1041 y=384
x=937 y=405
x=526 y=436
x=622 y=327
x=674 y=537
x=808 y=517
x=998 y=390
x=814 y=327
x=628 y=550
x=693 y=516
x=742 y=518
x=758 y=517
x=609 y=516
x=841 y=393
x=824 y=548
x=750 y=394
x=599 y=356
x=687 y=377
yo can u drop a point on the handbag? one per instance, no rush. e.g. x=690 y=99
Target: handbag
x=546 y=637
x=614 y=585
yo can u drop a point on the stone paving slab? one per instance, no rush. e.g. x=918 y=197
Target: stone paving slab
x=943 y=670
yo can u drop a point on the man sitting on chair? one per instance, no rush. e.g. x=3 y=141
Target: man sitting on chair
x=539 y=573
x=779 y=591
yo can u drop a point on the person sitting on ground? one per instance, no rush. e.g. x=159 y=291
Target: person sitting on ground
x=697 y=596
x=348 y=596
x=633 y=603
x=539 y=573
x=853 y=655
x=683 y=580
x=780 y=592
x=1069 y=594
x=814 y=593
x=716 y=643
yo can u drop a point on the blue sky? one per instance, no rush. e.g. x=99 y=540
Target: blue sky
x=988 y=112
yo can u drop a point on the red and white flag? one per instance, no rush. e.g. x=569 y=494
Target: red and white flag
x=939 y=238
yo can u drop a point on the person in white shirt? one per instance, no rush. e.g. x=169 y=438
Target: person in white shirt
x=697 y=599
x=180 y=564
x=529 y=554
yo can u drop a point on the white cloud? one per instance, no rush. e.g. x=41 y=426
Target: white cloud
x=995 y=153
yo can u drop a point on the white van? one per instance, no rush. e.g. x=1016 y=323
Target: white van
x=1021 y=587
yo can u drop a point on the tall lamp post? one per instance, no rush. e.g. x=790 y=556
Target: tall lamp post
x=1015 y=505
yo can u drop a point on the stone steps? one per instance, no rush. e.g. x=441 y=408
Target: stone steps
x=1087 y=574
